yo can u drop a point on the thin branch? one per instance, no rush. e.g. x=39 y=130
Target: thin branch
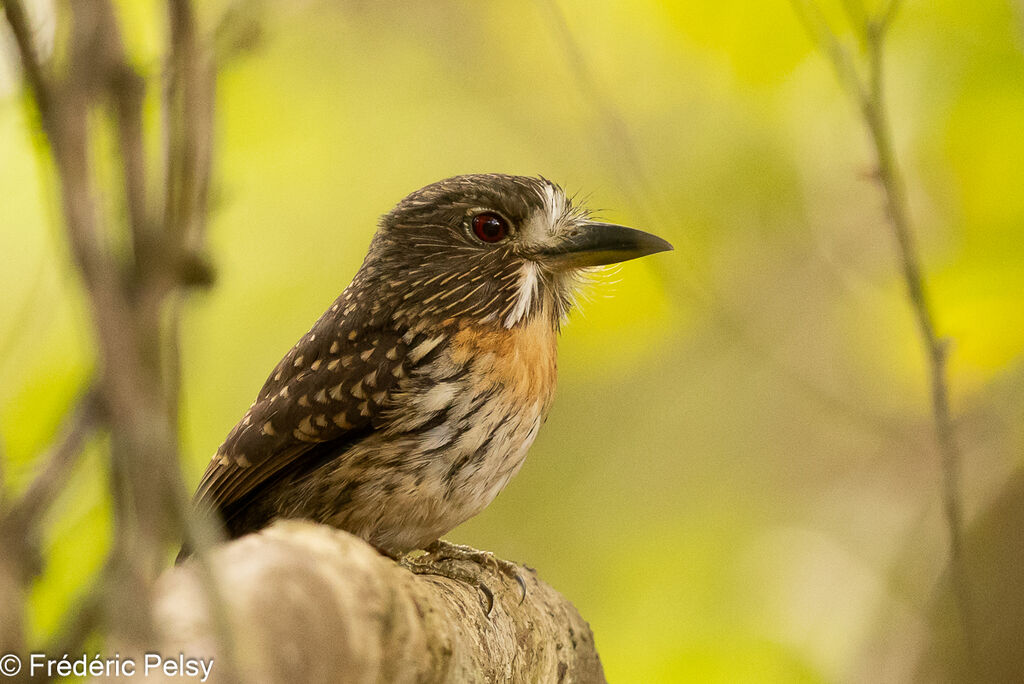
x=81 y=622
x=127 y=306
x=935 y=348
x=855 y=12
x=188 y=128
x=128 y=91
x=637 y=185
x=826 y=40
x=202 y=535
x=33 y=304
x=188 y=107
x=238 y=31
x=81 y=421
x=63 y=119
x=37 y=79
x=887 y=15
x=634 y=179
x=870 y=97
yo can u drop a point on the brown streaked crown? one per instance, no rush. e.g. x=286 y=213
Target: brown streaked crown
x=427 y=262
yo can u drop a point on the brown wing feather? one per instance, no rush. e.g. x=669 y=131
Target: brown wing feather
x=331 y=385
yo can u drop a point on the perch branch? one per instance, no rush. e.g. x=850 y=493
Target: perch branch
x=309 y=602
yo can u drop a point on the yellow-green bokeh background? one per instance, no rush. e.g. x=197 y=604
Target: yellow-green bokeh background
x=738 y=480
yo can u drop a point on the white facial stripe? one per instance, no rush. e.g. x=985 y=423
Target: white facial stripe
x=554 y=204
x=547 y=220
x=526 y=293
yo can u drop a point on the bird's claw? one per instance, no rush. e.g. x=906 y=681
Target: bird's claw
x=436 y=561
x=443 y=550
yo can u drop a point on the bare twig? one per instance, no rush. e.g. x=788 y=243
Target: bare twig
x=35 y=76
x=188 y=114
x=127 y=92
x=202 y=535
x=635 y=180
x=20 y=521
x=238 y=31
x=129 y=296
x=869 y=93
x=82 y=621
x=828 y=42
x=188 y=103
x=26 y=513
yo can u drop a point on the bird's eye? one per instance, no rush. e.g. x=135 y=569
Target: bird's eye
x=490 y=227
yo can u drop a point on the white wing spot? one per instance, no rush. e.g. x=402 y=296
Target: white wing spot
x=424 y=348
x=438 y=397
x=303 y=437
x=307 y=426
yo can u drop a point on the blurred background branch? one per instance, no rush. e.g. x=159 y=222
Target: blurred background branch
x=625 y=161
x=868 y=92
x=136 y=253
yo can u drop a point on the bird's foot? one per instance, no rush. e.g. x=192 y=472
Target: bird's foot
x=445 y=559
x=443 y=550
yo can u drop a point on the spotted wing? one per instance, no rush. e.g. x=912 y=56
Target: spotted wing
x=330 y=387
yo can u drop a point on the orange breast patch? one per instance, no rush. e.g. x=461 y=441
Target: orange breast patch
x=523 y=360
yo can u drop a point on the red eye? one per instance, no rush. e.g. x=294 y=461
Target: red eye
x=490 y=227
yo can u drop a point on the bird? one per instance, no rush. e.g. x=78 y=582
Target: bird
x=413 y=400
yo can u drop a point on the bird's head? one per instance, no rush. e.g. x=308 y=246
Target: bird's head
x=492 y=249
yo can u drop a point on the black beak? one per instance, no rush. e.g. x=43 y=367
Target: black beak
x=597 y=244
